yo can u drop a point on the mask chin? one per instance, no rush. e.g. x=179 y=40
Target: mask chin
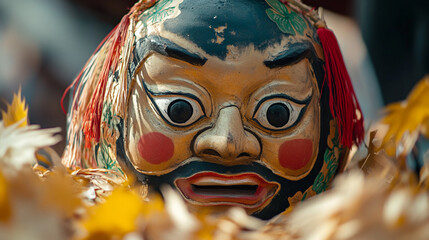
x=281 y=188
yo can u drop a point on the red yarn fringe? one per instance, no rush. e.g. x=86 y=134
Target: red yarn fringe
x=342 y=98
x=114 y=41
x=92 y=117
x=93 y=112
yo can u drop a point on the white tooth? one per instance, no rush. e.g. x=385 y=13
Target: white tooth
x=206 y=181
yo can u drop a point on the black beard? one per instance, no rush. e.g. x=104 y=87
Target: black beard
x=278 y=204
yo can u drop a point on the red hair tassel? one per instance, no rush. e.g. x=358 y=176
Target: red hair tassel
x=342 y=98
x=115 y=41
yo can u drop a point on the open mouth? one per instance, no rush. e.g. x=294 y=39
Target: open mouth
x=247 y=190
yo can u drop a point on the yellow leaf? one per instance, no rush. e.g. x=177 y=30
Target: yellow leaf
x=61 y=193
x=16 y=111
x=5 y=211
x=154 y=205
x=425 y=128
x=115 y=217
x=412 y=115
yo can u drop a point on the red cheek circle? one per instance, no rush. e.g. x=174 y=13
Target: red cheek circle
x=156 y=148
x=295 y=154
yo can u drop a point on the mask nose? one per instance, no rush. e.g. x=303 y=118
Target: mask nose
x=227 y=140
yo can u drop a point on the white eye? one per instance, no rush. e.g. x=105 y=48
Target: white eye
x=276 y=113
x=179 y=111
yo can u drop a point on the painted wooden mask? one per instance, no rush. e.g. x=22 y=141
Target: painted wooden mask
x=222 y=100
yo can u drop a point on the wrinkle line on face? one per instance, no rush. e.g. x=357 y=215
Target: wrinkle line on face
x=293 y=54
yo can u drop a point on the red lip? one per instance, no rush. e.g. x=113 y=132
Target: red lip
x=247 y=190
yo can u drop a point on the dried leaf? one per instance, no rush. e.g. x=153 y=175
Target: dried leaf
x=116 y=217
x=5 y=211
x=408 y=119
x=18 y=145
x=16 y=112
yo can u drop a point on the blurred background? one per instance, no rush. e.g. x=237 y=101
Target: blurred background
x=45 y=43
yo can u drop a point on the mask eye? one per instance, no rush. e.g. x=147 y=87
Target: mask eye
x=179 y=111
x=277 y=114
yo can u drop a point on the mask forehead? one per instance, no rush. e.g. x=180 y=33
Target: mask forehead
x=216 y=27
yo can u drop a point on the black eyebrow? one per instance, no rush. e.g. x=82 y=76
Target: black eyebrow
x=167 y=48
x=295 y=53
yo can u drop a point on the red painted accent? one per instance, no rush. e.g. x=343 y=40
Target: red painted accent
x=156 y=148
x=295 y=154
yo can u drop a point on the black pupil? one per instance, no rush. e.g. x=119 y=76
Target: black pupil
x=180 y=111
x=278 y=114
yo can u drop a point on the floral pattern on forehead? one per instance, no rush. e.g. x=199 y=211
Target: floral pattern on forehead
x=288 y=21
x=162 y=10
x=105 y=113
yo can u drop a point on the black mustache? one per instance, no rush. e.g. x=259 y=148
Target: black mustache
x=197 y=166
x=279 y=203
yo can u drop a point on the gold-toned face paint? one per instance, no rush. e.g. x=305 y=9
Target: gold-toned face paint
x=229 y=101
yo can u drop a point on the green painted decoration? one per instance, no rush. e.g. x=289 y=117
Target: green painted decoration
x=287 y=21
x=157 y=12
x=321 y=182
